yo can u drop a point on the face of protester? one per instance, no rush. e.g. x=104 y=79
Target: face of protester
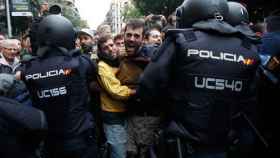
x=10 y=53
x=133 y=39
x=44 y=7
x=86 y=39
x=26 y=43
x=154 y=37
x=109 y=48
x=77 y=43
x=18 y=44
x=119 y=42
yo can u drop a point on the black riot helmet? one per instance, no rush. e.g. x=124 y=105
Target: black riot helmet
x=238 y=14
x=56 y=31
x=192 y=11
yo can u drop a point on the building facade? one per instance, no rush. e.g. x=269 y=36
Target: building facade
x=114 y=16
x=16 y=18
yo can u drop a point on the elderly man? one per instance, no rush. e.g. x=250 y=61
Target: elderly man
x=8 y=55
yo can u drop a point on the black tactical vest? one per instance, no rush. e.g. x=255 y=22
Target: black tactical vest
x=212 y=80
x=58 y=86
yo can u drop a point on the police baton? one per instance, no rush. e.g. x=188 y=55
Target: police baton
x=179 y=147
x=256 y=131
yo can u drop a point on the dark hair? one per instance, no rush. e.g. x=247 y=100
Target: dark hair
x=135 y=24
x=147 y=31
x=170 y=18
x=155 y=21
x=118 y=36
x=273 y=21
x=102 y=40
x=258 y=27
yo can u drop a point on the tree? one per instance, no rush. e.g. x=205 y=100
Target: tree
x=130 y=11
x=70 y=13
x=164 y=7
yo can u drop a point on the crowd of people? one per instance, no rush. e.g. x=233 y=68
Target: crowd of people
x=193 y=85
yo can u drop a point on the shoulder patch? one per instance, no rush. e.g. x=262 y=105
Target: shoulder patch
x=189 y=36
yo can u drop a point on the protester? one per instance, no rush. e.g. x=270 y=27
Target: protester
x=87 y=43
x=113 y=94
x=8 y=56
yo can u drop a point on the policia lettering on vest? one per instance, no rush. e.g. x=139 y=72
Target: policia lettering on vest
x=206 y=67
x=58 y=79
x=220 y=56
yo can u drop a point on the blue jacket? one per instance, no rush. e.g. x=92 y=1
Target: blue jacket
x=271 y=43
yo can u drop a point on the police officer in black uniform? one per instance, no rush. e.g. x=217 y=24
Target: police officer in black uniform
x=207 y=68
x=58 y=81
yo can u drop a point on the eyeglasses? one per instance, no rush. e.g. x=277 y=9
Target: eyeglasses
x=10 y=49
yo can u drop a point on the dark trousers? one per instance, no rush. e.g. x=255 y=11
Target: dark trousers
x=88 y=152
x=177 y=148
x=84 y=146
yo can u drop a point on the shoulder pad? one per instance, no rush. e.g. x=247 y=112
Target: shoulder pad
x=176 y=31
x=75 y=52
x=89 y=60
x=189 y=34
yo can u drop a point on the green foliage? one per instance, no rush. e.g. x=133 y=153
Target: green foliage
x=164 y=7
x=131 y=11
x=70 y=13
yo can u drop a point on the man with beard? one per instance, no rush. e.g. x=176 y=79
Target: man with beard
x=112 y=95
x=87 y=42
x=141 y=121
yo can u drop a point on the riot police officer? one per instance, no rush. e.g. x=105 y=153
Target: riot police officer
x=58 y=81
x=206 y=67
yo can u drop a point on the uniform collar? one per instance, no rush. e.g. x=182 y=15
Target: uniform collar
x=216 y=26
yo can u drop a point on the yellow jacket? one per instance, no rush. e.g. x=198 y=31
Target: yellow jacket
x=112 y=93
